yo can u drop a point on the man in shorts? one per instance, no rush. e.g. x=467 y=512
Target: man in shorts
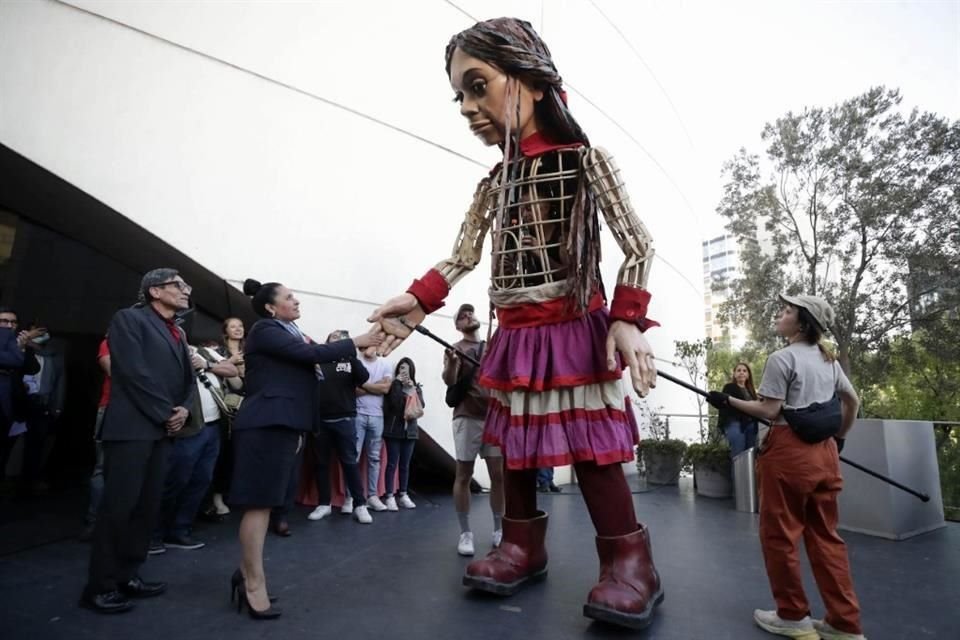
x=468 y=418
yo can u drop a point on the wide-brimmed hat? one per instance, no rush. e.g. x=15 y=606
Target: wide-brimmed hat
x=819 y=308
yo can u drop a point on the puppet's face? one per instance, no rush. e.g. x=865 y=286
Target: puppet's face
x=482 y=91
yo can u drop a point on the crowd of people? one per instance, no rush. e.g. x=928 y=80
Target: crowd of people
x=544 y=390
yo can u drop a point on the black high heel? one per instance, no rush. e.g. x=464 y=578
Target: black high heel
x=270 y=613
x=237 y=585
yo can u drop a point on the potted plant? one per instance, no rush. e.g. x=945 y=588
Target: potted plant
x=662 y=459
x=711 y=468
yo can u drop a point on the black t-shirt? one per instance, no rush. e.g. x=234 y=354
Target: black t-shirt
x=336 y=385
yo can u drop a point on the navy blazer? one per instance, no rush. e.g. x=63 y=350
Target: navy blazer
x=281 y=380
x=150 y=375
x=11 y=364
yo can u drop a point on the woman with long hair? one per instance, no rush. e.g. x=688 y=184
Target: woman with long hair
x=554 y=365
x=270 y=426
x=740 y=430
x=230 y=347
x=401 y=431
x=798 y=474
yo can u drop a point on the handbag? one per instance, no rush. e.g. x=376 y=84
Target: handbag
x=818 y=421
x=457 y=392
x=413 y=408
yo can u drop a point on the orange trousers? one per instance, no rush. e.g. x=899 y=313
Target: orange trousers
x=798 y=485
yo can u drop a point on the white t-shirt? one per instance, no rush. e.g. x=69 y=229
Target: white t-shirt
x=370 y=404
x=211 y=411
x=798 y=375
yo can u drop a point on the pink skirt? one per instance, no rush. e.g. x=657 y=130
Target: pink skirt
x=552 y=400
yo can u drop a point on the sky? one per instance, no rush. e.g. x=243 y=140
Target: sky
x=198 y=120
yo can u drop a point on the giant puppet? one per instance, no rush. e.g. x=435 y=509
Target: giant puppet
x=553 y=366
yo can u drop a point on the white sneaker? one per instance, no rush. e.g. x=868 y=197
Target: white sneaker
x=347 y=507
x=465 y=546
x=769 y=621
x=406 y=502
x=497 y=538
x=361 y=515
x=376 y=504
x=827 y=632
x=391 y=503
x=320 y=512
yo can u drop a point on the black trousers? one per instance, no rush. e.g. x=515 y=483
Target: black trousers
x=134 y=473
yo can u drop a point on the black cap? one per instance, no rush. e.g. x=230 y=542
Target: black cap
x=466 y=306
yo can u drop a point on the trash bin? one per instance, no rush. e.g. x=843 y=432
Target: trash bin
x=745 y=481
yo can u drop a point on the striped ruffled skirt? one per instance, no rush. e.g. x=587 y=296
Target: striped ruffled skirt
x=552 y=400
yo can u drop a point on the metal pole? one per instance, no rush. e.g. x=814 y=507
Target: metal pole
x=923 y=496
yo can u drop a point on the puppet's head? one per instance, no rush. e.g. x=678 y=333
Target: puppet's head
x=507 y=85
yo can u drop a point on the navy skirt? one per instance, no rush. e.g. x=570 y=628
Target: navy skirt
x=264 y=459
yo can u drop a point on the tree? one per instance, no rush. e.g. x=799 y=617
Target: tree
x=693 y=359
x=858 y=194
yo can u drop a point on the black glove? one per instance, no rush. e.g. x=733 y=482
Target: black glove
x=718 y=399
x=840 y=441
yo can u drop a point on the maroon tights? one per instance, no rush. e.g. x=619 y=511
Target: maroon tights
x=604 y=489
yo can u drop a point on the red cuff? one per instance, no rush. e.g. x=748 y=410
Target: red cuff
x=630 y=305
x=430 y=290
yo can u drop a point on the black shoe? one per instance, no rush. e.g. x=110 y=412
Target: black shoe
x=86 y=534
x=156 y=548
x=237 y=586
x=109 y=602
x=554 y=488
x=542 y=488
x=137 y=588
x=270 y=613
x=281 y=528
x=183 y=542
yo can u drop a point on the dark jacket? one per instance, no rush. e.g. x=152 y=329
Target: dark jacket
x=726 y=415
x=336 y=388
x=150 y=375
x=394 y=404
x=281 y=380
x=13 y=364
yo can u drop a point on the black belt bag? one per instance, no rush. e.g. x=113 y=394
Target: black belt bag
x=817 y=422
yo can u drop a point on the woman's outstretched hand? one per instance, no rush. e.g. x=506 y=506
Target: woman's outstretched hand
x=372 y=338
x=396 y=318
x=627 y=338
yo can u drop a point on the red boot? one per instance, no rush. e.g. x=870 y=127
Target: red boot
x=629 y=587
x=520 y=557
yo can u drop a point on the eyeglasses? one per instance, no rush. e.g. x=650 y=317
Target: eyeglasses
x=7 y=321
x=183 y=286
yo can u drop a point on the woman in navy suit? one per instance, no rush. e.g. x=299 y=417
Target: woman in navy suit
x=269 y=429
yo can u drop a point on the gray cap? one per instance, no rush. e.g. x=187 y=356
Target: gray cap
x=819 y=308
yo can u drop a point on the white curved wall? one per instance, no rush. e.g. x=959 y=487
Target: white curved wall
x=252 y=178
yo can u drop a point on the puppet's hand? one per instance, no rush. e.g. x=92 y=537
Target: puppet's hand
x=627 y=338
x=397 y=318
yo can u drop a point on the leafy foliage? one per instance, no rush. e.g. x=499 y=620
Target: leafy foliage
x=862 y=207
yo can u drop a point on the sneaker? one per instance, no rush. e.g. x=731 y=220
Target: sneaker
x=376 y=504
x=465 y=546
x=156 y=548
x=183 y=542
x=497 y=538
x=406 y=502
x=347 y=507
x=362 y=515
x=391 y=503
x=554 y=488
x=769 y=621
x=320 y=512
x=827 y=632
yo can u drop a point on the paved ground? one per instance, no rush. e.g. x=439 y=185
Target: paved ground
x=400 y=579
